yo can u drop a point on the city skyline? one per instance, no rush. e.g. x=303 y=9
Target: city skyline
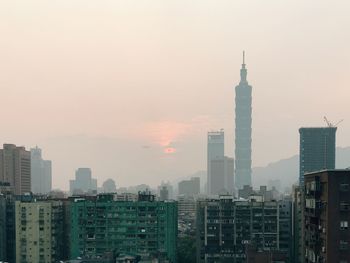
x=132 y=132
x=82 y=85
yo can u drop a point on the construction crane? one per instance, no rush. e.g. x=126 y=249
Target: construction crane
x=329 y=124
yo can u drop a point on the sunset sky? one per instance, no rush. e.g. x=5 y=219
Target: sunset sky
x=130 y=88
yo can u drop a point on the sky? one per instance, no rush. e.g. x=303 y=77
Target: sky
x=131 y=88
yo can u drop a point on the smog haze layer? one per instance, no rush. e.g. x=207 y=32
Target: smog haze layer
x=130 y=88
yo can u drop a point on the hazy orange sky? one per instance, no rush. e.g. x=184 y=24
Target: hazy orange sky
x=130 y=88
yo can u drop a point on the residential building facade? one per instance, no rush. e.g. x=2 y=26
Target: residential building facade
x=327 y=216
x=39 y=231
x=225 y=227
x=145 y=228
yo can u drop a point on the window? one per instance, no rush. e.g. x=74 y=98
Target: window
x=344 y=225
x=344 y=206
x=343 y=245
x=344 y=187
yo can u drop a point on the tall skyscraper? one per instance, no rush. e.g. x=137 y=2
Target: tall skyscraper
x=222 y=175
x=216 y=150
x=15 y=168
x=317 y=150
x=41 y=172
x=243 y=140
x=83 y=182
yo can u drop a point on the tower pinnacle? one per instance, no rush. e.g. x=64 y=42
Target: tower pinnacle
x=243 y=70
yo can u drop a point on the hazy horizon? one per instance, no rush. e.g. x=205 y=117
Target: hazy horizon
x=130 y=88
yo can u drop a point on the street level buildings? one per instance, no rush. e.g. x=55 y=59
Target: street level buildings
x=243 y=131
x=186 y=215
x=327 y=216
x=15 y=168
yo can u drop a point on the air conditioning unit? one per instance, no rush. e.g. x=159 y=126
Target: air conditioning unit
x=324 y=249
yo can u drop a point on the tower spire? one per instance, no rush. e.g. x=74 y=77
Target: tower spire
x=243 y=70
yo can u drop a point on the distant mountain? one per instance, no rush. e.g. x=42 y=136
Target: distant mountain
x=287 y=170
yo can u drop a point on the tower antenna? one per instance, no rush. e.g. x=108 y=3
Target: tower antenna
x=243 y=57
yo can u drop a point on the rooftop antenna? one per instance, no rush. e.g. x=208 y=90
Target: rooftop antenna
x=329 y=124
x=243 y=57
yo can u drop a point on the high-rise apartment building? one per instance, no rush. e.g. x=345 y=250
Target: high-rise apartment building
x=83 y=183
x=243 y=131
x=3 y=254
x=163 y=193
x=190 y=187
x=317 y=150
x=39 y=231
x=222 y=176
x=7 y=229
x=298 y=254
x=41 y=173
x=145 y=228
x=225 y=227
x=165 y=190
x=327 y=216
x=215 y=150
x=15 y=168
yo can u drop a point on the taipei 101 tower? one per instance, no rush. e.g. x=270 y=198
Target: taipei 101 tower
x=243 y=131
